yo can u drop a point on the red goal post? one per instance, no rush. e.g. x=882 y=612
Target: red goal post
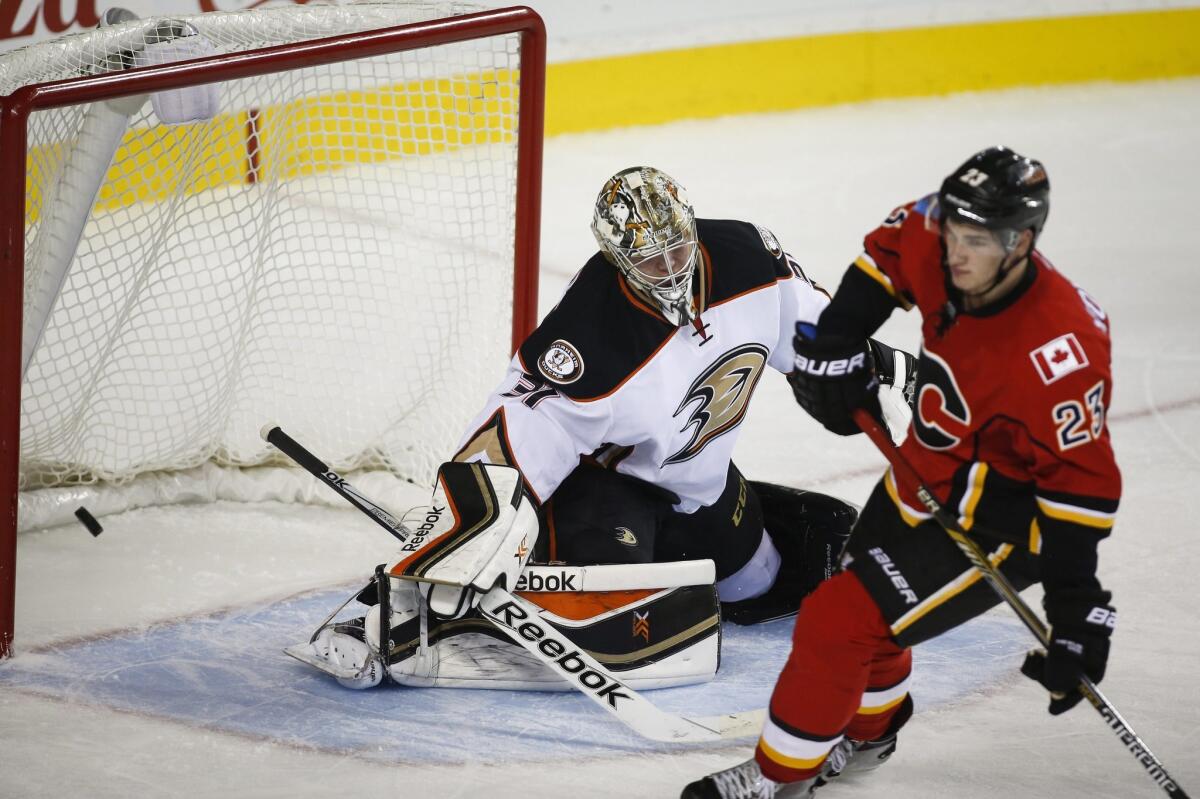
x=309 y=301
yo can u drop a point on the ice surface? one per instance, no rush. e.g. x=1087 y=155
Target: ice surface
x=189 y=605
x=223 y=671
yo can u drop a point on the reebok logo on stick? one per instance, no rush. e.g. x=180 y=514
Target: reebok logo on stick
x=552 y=645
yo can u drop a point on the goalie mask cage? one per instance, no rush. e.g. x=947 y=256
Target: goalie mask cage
x=344 y=241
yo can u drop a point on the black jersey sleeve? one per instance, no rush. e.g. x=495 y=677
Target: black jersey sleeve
x=859 y=308
x=1068 y=556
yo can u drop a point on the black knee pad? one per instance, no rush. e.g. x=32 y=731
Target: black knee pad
x=809 y=529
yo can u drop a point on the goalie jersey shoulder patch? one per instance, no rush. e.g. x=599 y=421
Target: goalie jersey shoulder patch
x=561 y=363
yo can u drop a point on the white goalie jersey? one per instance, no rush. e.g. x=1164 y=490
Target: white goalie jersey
x=606 y=376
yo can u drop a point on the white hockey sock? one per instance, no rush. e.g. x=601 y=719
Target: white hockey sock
x=756 y=577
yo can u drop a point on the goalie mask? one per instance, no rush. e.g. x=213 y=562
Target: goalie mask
x=646 y=228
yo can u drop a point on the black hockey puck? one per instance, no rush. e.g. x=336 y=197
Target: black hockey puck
x=89 y=521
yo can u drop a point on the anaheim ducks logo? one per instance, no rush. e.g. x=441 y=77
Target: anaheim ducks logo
x=561 y=362
x=721 y=396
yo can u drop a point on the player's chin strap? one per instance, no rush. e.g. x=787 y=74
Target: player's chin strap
x=906 y=475
x=520 y=621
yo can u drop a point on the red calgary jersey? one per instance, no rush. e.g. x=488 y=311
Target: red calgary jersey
x=1009 y=420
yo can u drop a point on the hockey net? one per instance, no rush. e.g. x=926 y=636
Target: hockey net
x=345 y=244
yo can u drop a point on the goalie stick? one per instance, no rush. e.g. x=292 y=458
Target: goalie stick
x=519 y=620
x=905 y=472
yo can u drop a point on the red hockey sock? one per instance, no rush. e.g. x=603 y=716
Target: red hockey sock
x=838 y=633
x=887 y=687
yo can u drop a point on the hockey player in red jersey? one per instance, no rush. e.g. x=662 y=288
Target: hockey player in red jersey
x=1015 y=442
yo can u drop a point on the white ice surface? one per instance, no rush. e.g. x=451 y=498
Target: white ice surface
x=1124 y=165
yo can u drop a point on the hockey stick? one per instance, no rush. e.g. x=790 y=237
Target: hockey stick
x=272 y=434
x=905 y=472
x=519 y=620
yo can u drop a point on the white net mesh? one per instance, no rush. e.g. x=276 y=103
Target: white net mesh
x=332 y=251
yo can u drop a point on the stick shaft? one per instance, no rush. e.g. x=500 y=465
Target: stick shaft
x=906 y=474
x=317 y=468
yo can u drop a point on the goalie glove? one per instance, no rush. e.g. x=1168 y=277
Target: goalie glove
x=478 y=530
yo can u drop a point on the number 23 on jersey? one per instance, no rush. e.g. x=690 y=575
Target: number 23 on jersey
x=1080 y=422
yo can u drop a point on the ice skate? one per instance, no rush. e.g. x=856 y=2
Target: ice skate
x=746 y=781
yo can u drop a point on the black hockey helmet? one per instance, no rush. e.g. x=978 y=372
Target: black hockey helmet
x=1000 y=190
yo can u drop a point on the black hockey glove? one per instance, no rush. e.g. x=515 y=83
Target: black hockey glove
x=833 y=376
x=1081 y=621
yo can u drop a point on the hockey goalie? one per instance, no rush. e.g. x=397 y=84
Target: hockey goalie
x=597 y=482
x=654 y=625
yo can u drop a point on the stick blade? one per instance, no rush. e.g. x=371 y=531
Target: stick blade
x=746 y=724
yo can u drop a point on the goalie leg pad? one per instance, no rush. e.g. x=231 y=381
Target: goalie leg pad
x=664 y=634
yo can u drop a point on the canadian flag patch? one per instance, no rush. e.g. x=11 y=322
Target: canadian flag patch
x=1058 y=358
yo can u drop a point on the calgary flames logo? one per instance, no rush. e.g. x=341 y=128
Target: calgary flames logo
x=721 y=396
